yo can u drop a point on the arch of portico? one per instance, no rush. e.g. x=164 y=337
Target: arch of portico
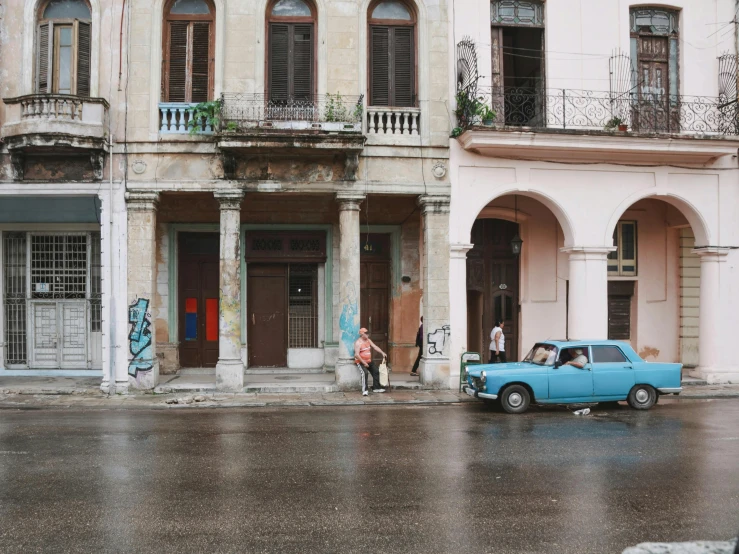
x=587 y=218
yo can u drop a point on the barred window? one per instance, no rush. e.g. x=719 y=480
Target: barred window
x=14 y=269
x=303 y=306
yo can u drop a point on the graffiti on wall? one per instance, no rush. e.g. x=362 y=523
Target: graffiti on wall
x=139 y=339
x=437 y=340
x=349 y=319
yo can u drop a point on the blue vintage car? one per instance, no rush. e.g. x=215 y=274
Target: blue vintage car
x=574 y=372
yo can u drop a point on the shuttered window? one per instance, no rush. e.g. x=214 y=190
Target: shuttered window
x=392 y=55
x=290 y=61
x=187 y=74
x=63 y=55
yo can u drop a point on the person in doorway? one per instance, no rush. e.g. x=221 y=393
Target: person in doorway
x=497 y=344
x=363 y=358
x=419 y=344
x=579 y=360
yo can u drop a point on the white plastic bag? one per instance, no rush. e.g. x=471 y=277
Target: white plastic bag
x=384 y=377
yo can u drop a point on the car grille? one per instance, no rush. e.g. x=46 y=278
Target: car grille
x=478 y=384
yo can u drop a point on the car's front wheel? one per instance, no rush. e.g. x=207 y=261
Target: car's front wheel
x=642 y=397
x=515 y=399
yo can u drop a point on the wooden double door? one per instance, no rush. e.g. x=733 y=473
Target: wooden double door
x=493 y=286
x=374 y=275
x=198 y=276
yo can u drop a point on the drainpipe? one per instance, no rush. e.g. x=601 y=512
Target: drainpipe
x=112 y=324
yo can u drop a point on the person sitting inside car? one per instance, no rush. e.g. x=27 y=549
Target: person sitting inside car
x=579 y=360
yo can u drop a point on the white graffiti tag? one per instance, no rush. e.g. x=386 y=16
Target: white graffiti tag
x=437 y=340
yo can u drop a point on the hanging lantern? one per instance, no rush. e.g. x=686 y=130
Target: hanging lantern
x=516 y=243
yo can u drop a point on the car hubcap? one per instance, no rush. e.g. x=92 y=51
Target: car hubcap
x=515 y=400
x=642 y=396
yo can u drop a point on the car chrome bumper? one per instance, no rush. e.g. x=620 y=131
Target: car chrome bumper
x=472 y=392
x=675 y=390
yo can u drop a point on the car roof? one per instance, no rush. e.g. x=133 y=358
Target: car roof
x=572 y=343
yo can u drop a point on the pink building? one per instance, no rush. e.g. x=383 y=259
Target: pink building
x=603 y=135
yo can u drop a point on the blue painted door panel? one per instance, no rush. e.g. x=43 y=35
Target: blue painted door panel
x=570 y=382
x=615 y=378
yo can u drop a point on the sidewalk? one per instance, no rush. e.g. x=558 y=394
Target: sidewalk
x=67 y=392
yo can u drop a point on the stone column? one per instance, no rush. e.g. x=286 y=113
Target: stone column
x=588 y=296
x=717 y=317
x=435 y=370
x=143 y=366
x=230 y=368
x=458 y=306
x=347 y=376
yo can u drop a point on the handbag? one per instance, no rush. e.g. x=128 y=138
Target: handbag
x=384 y=377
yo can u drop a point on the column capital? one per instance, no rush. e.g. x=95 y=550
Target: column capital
x=459 y=250
x=588 y=252
x=433 y=204
x=712 y=253
x=350 y=201
x=142 y=200
x=229 y=199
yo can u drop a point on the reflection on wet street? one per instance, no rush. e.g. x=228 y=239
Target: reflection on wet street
x=458 y=478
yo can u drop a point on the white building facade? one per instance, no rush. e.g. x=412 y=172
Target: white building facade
x=612 y=153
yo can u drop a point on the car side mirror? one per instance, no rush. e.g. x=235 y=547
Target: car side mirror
x=557 y=364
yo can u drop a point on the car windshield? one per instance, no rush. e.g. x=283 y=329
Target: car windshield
x=542 y=354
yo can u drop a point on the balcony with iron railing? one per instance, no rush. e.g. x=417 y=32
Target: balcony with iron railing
x=610 y=120
x=55 y=120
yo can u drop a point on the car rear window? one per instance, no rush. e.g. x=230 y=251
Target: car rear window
x=607 y=354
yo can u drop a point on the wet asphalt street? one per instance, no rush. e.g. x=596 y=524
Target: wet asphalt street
x=457 y=478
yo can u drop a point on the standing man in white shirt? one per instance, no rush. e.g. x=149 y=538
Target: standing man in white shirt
x=497 y=344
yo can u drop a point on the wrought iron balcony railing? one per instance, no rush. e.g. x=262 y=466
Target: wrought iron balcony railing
x=647 y=113
x=327 y=112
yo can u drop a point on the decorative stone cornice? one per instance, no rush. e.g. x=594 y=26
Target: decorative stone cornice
x=349 y=201
x=229 y=199
x=142 y=201
x=433 y=204
x=459 y=250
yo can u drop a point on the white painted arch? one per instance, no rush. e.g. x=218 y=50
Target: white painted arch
x=698 y=223
x=554 y=206
x=30 y=18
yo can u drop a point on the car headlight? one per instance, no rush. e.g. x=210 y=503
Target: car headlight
x=483 y=377
x=466 y=374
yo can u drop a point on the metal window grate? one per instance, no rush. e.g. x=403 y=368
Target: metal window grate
x=303 y=306
x=14 y=271
x=96 y=294
x=59 y=266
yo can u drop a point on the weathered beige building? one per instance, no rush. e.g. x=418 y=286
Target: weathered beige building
x=284 y=166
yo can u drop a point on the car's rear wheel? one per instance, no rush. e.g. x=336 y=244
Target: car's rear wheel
x=515 y=399
x=642 y=397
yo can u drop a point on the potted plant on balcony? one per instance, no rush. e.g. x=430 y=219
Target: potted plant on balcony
x=486 y=114
x=616 y=123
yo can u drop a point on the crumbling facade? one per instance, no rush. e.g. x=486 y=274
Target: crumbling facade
x=257 y=180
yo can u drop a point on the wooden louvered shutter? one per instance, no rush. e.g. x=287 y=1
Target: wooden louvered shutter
x=177 y=61
x=279 y=74
x=380 y=66
x=200 y=62
x=302 y=59
x=83 y=58
x=43 y=53
x=402 y=60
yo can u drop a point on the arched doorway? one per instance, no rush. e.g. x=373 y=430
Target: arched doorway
x=654 y=279
x=527 y=291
